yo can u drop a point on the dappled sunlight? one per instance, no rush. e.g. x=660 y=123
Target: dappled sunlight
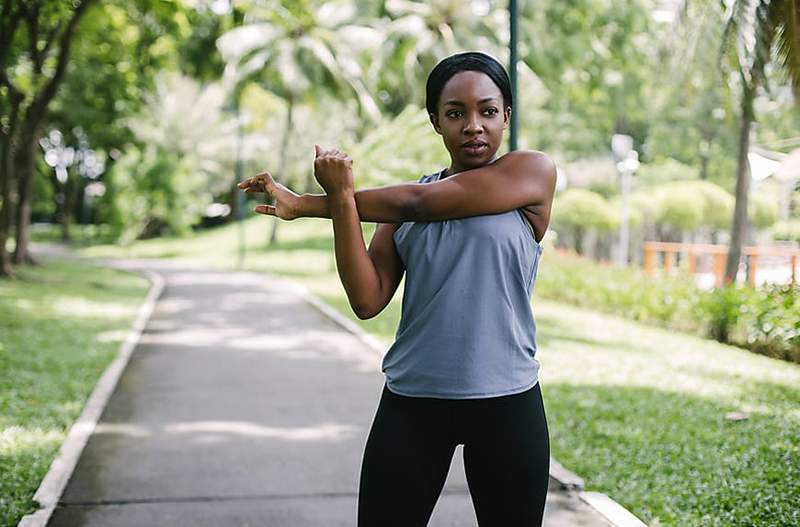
x=115 y=335
x=324 y=431
x=213 y=431
x=123 y=429
x=81 y=307
x=174 y=305
x=194 y=336
x=17 y=438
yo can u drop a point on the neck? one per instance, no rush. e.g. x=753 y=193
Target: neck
x=455 y=168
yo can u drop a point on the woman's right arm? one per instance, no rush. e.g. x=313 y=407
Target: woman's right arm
x=388 y=265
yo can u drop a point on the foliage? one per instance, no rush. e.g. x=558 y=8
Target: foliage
x=771 y=322
x=787 y=230
x=381 y=161
x=762 y=211
x=626 y=292
x=594 y=56
x=663 y=171
x=722 y=308
x=580 y=208
x=680 y=207
x=147 y=195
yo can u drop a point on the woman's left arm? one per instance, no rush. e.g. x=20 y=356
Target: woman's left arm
x=517 y=179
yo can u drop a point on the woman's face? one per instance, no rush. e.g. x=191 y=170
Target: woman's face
x=471 y=119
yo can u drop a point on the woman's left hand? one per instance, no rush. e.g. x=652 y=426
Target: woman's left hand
x=334 y=171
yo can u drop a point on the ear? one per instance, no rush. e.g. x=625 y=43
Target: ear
x=506 y=117
x=435 y=122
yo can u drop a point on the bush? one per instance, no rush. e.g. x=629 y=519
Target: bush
x=770 y=322
x=762 y=211
x=722 y=308
x=787 y=230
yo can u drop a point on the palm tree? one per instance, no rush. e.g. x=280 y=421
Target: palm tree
x=420 y=34
x=757 y=34
x=297 y=48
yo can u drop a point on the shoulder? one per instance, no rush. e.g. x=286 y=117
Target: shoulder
x=531 y=162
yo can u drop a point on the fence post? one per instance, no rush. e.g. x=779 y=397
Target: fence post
x=650 y=259
x=752 y=268
x=669 y=257
x=719 y=267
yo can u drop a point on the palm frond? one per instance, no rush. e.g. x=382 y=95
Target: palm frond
x=785 y=16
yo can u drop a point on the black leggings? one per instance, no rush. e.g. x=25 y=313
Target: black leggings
x=411 y=443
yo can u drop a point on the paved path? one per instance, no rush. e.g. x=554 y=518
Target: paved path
x=243 y=405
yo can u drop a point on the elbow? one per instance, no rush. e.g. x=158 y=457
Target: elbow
x=363 y=312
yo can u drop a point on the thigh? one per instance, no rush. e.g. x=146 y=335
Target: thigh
x=507 y=459
x=406 y=460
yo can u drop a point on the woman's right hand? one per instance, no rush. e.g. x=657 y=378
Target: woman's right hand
x=286 y=201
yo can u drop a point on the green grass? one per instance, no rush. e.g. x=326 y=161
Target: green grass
x=639 y=412
x=61 y=324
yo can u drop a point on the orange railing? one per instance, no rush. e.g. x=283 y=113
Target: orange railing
x=719 y=254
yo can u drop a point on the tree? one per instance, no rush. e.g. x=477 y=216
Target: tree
x=420 y=34
x=295 y=49
x=63 y=65
x=35 y=40
x=757 y=34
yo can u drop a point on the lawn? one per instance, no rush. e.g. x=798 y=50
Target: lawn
x=61 y=324
x=639 y=412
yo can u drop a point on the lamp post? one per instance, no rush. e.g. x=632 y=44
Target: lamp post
x=627 y=163
x=513 y=12
x=233 y=107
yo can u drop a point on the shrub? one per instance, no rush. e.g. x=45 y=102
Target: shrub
x=787 y=231
x=721 y=309
x=771 y=322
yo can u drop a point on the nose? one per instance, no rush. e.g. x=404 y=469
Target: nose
x=473 y=125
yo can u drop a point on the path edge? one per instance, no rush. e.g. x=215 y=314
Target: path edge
x=55 y=481
x=610 y=510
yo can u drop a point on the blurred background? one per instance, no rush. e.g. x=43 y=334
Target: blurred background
x=125 y=126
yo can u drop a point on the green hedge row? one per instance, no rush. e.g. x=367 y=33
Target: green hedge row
x=764 y=320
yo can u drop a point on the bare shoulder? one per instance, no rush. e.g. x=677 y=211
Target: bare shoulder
x=532 y=161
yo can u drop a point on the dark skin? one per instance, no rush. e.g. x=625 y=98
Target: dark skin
x=477 y=183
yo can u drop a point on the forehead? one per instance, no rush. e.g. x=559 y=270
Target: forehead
x=469 y=86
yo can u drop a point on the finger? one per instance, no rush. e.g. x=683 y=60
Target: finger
x=269 y=210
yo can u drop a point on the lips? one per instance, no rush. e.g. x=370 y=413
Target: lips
x=475 y=148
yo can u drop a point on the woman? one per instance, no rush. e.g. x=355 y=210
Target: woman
x=462 y=369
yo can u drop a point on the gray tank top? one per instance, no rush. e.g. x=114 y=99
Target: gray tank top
x=467 y=329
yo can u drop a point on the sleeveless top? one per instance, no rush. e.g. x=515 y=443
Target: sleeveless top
x=467 y=329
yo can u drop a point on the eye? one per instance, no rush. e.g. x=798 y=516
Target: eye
x=491 y=110
x=450 y=113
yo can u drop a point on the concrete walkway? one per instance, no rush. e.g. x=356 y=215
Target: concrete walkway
x=244 y=405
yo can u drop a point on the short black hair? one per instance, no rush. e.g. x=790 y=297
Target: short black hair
x=469 y=60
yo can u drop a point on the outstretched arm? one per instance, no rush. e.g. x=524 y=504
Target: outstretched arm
x=517 y=179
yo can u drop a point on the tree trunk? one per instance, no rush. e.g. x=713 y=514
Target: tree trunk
x=739 y=228
x=23 y=168
x=7 y=180
x=6 y=208
x=282 y=166
x=66 y=207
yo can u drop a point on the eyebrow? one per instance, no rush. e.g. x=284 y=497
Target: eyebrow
x=456 y=102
